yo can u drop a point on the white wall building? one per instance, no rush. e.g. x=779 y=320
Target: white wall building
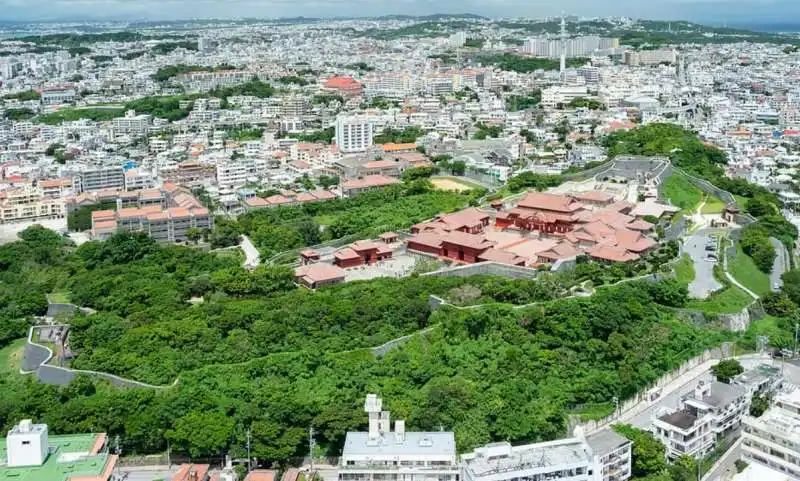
x=99 y=178
x=232 y=174
x=383 y=455
x=353 y=134
x=706 y=415
x=604 y=456
x=773 y=440
x=26 y=444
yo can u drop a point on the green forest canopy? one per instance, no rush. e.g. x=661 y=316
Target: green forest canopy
x=262 y=354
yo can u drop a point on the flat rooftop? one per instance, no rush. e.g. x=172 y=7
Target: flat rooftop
x=498 y=458
x=779 y=421
x=69 y=458
x=415 y=443
x=680 y=419
x=606 y=441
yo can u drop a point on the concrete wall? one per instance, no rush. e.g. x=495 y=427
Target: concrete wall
x=487 y=269
x=643 y=396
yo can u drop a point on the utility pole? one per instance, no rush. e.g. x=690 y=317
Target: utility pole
x=249 y=458
x=796 y=330
x=311 y=445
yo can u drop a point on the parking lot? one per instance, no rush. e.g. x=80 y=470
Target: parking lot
x=704 y=260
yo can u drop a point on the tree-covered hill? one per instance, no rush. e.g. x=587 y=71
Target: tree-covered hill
x=261 y=354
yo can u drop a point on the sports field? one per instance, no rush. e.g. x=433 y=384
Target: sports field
x=452 y=183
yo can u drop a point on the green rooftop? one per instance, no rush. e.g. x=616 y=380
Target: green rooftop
x=59 y=466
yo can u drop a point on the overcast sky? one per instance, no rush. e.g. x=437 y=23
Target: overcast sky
x=705 y=10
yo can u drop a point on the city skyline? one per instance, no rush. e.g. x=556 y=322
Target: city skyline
x=715 y=11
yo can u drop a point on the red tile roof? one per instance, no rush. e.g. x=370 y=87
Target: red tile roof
x=261 y=475
x=501 y=256
x=320 y=272
x=380 y=164
x=550 y=202
x=346 y=254
x=397 y=147
x=593 y=196
x=472 y=241
x=369 y=181
x=186 y=470
x=611 y=253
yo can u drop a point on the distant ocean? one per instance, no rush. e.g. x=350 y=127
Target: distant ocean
x=771 y=27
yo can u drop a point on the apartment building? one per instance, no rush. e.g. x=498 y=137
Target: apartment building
x=232 y=174
x=773 y=440
x=137 y=179
x=99 y=178
x=650 y=57
x=29 y=203
x=389 y=85
x=203 y=81
x=581 y=46
x=163 y=225
x=132 y=124
x=707 y=414
x=353 y=134
x=382 y=455
x=603 y=456
x=354 y=187
x=54 y=96
x=55 y=188
x=189 y=173
x=553 y=96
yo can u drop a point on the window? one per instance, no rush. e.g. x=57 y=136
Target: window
x=26 y=443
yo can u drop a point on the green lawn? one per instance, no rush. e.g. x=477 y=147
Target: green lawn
x=744 y=270
x=595 y=412
x=684 y=270
x=58 y=297
x=713 y=206
x=325 y=219
x=681 y=192
x=11 y=357
x=766 y=327
x=729 y=301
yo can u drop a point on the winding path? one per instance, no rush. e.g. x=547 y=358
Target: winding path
x=252 y=256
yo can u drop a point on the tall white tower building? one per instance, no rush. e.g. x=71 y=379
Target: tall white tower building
x=353 y=134
x=563 y=64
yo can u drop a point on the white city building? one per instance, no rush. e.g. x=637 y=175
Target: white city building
x=232 y=174
x=603 y=456
x=353 y=134
x=26 y=444
x=708 y=413
x=383 y=455
x=773 y=440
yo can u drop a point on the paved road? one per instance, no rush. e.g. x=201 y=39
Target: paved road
x=252 y=256
x=725 y=468
x=686 y=383
x=780 y=266
x=704 y=283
